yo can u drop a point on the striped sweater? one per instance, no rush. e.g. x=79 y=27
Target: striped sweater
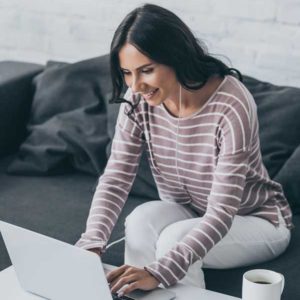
x=210 y=161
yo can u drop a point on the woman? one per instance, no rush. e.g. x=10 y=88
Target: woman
x=219 y=208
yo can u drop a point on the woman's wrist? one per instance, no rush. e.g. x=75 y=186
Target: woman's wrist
x=95 y=250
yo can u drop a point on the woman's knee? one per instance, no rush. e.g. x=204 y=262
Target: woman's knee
x=154 y=221
x=139 y=223
x=152 y=213
x=142 y=214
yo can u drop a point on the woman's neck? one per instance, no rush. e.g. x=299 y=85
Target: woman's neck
x=192 y=101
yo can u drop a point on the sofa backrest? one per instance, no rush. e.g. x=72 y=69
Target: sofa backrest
x=66 y=93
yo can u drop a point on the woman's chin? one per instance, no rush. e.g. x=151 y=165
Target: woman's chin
x=153 y=102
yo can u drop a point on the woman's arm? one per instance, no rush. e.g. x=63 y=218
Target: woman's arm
x=237 y=124
x=114 y=185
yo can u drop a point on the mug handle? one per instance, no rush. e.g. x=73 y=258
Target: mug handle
x=283 y=283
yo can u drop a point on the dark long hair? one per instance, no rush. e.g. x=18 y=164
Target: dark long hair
x=166 y=39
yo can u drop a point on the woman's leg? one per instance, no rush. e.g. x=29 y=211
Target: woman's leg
x=250 y=240
x=143 y=227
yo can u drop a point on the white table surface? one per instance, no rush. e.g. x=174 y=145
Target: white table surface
x=11 y=290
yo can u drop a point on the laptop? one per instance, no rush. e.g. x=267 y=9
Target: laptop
x=55 y=270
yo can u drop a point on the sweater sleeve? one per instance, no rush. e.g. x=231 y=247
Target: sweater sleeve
x=236 y=126
x=115 y=183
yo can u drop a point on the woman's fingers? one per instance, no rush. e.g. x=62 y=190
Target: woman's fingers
x=113 y=275
x=123 y=281
x=127 y=279
x=131 y=287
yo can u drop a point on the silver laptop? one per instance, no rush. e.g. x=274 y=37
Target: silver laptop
x=56 y=270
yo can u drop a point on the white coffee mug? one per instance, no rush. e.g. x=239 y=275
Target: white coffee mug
x=262 y=285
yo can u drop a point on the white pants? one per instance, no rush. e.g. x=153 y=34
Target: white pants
x=154 y=227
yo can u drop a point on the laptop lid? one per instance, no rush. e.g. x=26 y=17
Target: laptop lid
x=54 y=269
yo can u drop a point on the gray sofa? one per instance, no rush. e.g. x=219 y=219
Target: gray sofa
x=55 y=131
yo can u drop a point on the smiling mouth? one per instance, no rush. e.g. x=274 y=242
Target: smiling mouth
x=150 y=95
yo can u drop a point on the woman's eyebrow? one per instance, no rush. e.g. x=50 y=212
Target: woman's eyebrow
x=140 y=67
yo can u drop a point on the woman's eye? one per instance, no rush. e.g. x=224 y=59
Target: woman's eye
x=147 y=71
x=125 y=72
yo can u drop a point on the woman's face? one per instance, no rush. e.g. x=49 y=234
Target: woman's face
x=156 y=82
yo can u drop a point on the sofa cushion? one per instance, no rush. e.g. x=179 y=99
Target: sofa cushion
x=278 y=109
x=67 y=126
x=15 y=101
x=289 y=177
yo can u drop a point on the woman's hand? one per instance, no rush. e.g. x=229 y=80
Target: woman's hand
x=128 y=278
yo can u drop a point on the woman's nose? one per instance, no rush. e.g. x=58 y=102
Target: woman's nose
x=135 y=84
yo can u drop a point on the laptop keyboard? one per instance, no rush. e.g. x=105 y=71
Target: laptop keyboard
x=116 y=297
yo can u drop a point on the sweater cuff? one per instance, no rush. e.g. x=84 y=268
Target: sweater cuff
x=87 y=245
x=166 y=283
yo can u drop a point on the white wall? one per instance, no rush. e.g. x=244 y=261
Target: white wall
x=261 y=38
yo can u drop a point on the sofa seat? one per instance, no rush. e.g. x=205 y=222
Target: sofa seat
x=64 y=201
